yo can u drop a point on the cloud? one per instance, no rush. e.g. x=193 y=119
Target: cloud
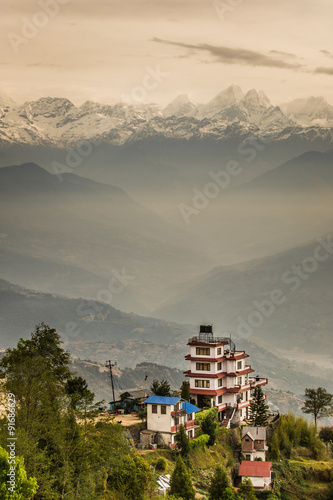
x=279 y=52
x=324 y=70
x=326 y=53
x=229 y=55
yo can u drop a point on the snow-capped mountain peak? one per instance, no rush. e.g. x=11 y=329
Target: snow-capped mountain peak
x=180 y=106
x=57 y=122
x=253 y=98
x=310 y=111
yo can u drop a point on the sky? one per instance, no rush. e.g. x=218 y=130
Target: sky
x=154 y=50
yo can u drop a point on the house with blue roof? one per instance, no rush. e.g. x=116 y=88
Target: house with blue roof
x=165 y=415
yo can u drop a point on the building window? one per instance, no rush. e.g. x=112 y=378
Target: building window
x=239 y=365
x=154 y=408
x=163 y=409
x=219 y=383
x=219 y=366
x=247 y=439
x=190 y=434
x=205 y=351
x=219 y=351
x=247 y=395
x=220 y=399
x=203 y=367
x=189 y=417
x=239 y=380
x=202 y=383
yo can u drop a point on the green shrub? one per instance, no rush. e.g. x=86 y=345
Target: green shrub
x=293 y=437
x=199 y=442
x=203 y=414
x=161 y=464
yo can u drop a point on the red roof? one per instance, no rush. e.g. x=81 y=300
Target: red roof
x=255 y=468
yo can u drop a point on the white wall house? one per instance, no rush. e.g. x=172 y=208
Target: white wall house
x=165 y=415
x=260 y=473
x=219 y=376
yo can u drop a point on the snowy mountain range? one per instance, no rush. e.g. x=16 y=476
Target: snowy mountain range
x=57 y=122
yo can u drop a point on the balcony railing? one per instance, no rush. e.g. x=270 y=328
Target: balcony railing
x=208 y=338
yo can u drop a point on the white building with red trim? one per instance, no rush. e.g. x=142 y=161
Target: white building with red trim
x=219 y=376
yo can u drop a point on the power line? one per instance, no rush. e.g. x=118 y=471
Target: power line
x=109 y=365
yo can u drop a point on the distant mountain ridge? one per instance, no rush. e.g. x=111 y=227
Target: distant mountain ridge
x=135 y=341
x=82 y=225
x=302 y=321
x=57 y=122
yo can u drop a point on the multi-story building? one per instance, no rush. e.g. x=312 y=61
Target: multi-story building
x=219 y=376
x=165 y=415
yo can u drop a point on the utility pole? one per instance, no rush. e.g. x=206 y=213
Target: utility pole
x=109 y=365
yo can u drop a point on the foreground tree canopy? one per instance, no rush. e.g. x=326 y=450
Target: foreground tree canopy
x=14 y=483
x=63 y=450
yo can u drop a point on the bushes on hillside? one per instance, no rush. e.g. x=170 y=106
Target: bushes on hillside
x=199 y=442
x=294 y=436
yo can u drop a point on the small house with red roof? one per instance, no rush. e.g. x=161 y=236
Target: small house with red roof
x=259 y=472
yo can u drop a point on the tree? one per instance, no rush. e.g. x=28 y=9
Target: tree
x=220 y=488
x=318 y=403
x=258 y=409
x=180 y=483
x=14 y=484
x=246 y=490
x=160 y=388
x=77 y=389
x=48 y=436
x=209 y=426
x=326 y=434
x=183 y=442
x=131 y=477
x=185 y=393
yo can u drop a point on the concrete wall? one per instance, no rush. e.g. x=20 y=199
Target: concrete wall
x=157 y=421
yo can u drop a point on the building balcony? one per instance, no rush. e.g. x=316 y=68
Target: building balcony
x=178 y=413
x=257 y=381
x=188 y=425
x=201 y=357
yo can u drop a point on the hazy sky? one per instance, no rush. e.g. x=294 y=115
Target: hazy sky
x=104 y=50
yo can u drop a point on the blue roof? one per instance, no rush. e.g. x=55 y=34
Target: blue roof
x=162 y=400
x=189 y=408
x=165 y=400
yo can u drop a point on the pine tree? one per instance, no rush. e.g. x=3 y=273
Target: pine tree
x=220 y=487
x=160 y=388
x=183 y=442
x=246 y=490
x=185 y=393
x=181 y=484
x=258 y=409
